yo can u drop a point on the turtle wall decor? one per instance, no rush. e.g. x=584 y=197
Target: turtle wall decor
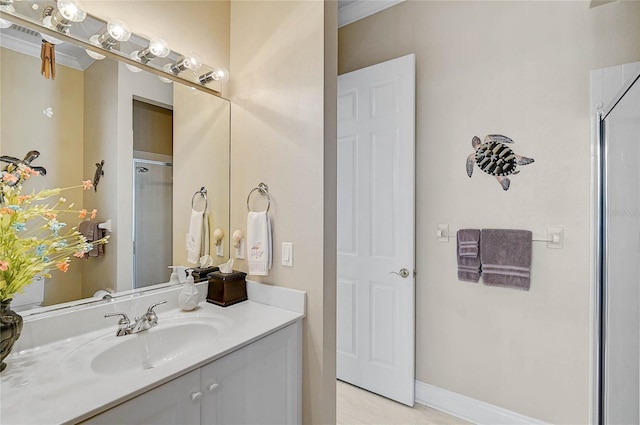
x=495 y=158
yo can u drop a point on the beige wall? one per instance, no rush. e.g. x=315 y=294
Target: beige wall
x=24 y=127
x=201 y=158
x=277 y=92
x=101 y=82
x=520 y=69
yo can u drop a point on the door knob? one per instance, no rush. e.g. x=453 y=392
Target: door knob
x=404 y=273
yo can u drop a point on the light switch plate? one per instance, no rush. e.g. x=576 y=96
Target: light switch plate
x=240 y=250
x=287 y=254
x=220 y=250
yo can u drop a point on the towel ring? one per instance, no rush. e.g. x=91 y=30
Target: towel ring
x=202 y=192
x=263 y=189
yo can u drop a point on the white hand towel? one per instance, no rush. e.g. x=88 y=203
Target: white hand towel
x=259 y=243
x=194 y=237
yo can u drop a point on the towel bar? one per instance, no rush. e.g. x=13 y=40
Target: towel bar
x=554 y=237
x=202 y=192
x=263 y=190
x=105 y=226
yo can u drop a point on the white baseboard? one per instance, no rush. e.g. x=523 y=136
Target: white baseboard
x=467 y=408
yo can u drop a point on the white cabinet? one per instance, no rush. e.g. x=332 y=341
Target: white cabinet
x=260 y=383
x=257 y=384
x=176 y=402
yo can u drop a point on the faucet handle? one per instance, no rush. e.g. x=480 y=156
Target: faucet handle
x=150 y=309
x=123 y=321
x=151 y=315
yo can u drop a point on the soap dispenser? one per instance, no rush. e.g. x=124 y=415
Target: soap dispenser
x=189 y=296
x=174 y=275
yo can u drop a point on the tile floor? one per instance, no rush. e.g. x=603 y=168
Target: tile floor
x=356 y=406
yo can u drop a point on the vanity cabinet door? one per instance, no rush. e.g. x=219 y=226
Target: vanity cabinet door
x=176 y=402
x=257 y=384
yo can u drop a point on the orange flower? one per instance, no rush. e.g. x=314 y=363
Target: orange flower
x=9 y=178
x=23 y=198
x=83 y=213
x=94 y=213
x=78 y=254
x=4 y=265
x=7 y=211
x=86 y=184
x=50 y=215
x=62 y=266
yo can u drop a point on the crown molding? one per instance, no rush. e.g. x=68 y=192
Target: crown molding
x=360 y=9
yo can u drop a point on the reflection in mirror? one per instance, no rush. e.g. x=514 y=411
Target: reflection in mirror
x=179 y=143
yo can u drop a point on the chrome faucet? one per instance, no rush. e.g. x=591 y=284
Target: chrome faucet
x=142 y=323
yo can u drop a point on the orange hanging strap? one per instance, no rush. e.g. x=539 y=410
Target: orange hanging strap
x=48 y=56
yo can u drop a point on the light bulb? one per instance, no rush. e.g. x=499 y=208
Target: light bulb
x=118 y=30
x=218 y=74
x=191 y=62
x=222 y=74
x=71 y=10
x=5 y=24
x=159 y=48
x=91 y=53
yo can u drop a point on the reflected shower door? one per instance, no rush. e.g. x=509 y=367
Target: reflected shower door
x=153 y=210
x=620 y=251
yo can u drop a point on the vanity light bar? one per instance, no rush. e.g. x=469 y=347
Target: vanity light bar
x=48 y=31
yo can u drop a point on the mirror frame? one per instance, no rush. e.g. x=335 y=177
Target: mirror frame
x=118 y=56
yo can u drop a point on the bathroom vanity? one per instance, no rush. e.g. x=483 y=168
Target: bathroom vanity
x=214 y=365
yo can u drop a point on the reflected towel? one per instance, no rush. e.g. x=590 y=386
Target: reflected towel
x=468 y=241
x=259 y=243
x=92 y=232
x=506 y=258
x=194 y=237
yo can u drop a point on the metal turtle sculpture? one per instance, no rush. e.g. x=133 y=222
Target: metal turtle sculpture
x=494 y=157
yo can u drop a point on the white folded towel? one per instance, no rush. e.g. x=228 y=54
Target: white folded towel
x=194 y=237
x=259 y=243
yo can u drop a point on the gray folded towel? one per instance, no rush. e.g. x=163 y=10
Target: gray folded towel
x=468 y=241
x=506 y=258
x=91 y=231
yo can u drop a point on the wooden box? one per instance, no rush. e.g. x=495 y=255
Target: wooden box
x=226 y=288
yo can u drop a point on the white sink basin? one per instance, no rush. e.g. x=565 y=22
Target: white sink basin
x=171 y=339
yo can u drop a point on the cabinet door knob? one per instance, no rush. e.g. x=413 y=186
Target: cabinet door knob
x=213 y=386
x=196 y=396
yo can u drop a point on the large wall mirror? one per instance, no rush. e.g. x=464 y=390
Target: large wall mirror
x=161 y=142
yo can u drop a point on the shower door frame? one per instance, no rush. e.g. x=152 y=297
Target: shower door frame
x=135 y=162
x=600 y=293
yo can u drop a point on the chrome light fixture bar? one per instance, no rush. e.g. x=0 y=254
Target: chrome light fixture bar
x=37 y=26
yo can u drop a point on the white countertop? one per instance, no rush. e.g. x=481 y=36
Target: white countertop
x=51 y=383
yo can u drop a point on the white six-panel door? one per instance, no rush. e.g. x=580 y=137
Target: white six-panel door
x=376 y=181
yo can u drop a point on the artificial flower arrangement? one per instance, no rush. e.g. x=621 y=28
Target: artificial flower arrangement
x=32 y=240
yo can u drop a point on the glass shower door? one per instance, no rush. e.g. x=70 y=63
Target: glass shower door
x=620 y=259
x=153 y=221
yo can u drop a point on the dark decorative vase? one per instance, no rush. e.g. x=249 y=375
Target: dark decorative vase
x=11 y=326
